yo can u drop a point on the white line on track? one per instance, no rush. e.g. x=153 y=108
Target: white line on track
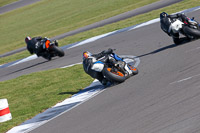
x=185 y=79
x=71 y=65
x=83 y=96
x=99 y=37
x=89 y=92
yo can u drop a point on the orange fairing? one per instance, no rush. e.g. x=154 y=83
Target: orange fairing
x=47 y=43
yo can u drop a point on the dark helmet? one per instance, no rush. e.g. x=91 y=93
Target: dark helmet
x=28 y=38
x=86 y=54
x=163 y=15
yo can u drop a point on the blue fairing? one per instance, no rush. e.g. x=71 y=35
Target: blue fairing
x=116 y=57
x=98 y=62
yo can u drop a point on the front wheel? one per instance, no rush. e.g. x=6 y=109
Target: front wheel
x=191 y=32
x=114 y=76
x=133 y=69
x=58 y=51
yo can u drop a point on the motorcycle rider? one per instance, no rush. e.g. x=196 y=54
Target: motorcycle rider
x=35 y=45
x=93 y=64
x=93 y=67
x=166 y=22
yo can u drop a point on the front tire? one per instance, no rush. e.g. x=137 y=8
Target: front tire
x=113 y=76
x=134 y=70
x=59 y=51
x=191 y=32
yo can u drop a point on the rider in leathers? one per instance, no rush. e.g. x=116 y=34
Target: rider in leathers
x=166 y=21
x=93 y=67
x=35 y=45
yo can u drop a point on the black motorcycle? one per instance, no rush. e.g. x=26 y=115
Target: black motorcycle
x=47 y=49
x=51 y=49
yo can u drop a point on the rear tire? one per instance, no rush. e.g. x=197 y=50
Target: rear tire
x=59 y=51
x=114 y=77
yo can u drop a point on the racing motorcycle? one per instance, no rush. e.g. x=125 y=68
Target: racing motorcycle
x=119 y=71
x=189 y=28
x=49 y=49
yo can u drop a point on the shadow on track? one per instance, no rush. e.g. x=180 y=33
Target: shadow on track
x=183 y=41
x=66 y=93
x=28 y=67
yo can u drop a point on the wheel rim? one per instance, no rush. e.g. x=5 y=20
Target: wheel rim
x=116 y=73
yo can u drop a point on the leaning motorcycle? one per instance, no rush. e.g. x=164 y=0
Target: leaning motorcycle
x=121 y=70
x=51 y=49
x=189 y=28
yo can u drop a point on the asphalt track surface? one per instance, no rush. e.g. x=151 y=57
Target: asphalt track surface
x=162 y=98
x=135 y=12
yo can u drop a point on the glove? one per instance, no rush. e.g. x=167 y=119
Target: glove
x=109 y=51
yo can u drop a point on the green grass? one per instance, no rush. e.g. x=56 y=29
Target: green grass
x=5 y=2
x=14 y=57
x=52 y=17
x=28 y=97
x=115 y=26
x=31 y=94
x=186 y=4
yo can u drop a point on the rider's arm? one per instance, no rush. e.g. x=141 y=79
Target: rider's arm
x=39 y=38
x=174 y=16
x=99 y=55
x=30 y=50
x=178 y=15
x=103 y=53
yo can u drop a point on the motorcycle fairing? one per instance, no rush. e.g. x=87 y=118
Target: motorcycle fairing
x=98 y=66
x=176 y=26
x=116 y=57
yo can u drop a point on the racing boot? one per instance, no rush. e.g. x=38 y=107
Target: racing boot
x=47 y=56
x=104 y=81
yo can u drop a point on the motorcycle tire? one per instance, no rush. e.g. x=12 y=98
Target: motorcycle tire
x=113 y=76
x=59 y=51
x=191 y=32
x=134 y=70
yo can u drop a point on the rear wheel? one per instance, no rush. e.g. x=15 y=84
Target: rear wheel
x=114 y=76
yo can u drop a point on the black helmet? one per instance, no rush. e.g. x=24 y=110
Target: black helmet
x=163 y=15
x=28 y=38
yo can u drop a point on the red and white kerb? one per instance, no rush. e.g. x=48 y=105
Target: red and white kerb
x=5 y=114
